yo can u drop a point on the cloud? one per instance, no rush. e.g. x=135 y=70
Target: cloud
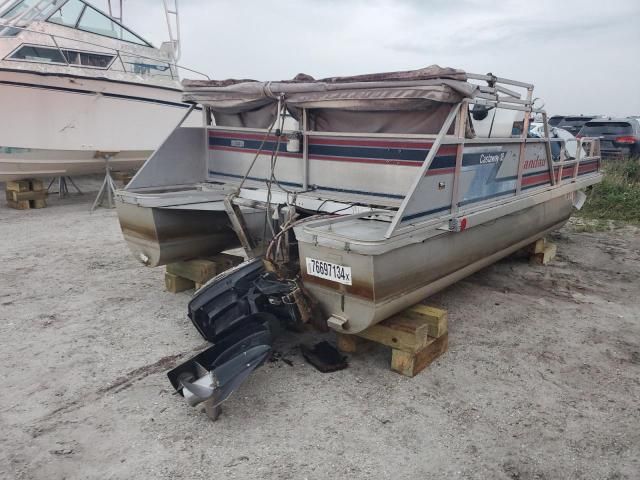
x=580 y=54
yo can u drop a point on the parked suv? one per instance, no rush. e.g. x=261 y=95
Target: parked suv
x=575 y=123
x=555 y=120
x=619 y=137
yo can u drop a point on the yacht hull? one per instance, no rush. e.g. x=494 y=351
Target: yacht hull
x=67 y=125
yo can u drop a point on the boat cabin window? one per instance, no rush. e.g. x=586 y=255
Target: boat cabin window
x=87 y=59
x=146 y=66
x=33 y=53
x=77 y=14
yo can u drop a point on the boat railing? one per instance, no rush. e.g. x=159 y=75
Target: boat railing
x=496 y=94
x=8 y=30
x=588 y=150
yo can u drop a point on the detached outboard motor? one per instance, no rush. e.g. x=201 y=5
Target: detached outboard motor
x=236 y=312
x=214 y=374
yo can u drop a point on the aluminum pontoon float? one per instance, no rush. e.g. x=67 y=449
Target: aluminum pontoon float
x=371 y=192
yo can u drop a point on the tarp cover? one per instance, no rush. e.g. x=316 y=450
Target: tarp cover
x=249 y=103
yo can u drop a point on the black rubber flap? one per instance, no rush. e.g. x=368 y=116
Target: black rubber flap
x=324 y=356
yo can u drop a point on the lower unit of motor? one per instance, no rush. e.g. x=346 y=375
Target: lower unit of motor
x=238 y=312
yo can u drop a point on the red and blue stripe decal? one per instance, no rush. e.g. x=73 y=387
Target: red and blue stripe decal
x=538 y=179
x=370 y=151
x=377 y=152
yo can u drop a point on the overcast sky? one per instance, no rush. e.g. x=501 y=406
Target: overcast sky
x=582 y=55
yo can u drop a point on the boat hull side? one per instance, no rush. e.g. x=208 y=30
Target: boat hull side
x=158 y=236
x=55 y=125
x=18 y=163
x=386 y=284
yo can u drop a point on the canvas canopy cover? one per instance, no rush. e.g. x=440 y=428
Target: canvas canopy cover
x=414 y=101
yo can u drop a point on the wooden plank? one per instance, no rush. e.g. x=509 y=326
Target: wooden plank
x=537 y=246
x=410 y=364
x=398 y=336
x=18 y=185
x=409 y=330
x=413 y=317
x=347 y=343
x=548 y=254
x=22 y=205
x=201 y=270
x=25 y=194
x=20 y=196
x=175 y=283
x=226 y=261
x=123 y=176
x=198 y=270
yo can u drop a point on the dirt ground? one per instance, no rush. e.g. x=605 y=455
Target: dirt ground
x=541 y=380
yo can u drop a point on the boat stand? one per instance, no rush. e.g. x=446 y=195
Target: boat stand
x=63 y=188
x=108 y=187
x=417 y=336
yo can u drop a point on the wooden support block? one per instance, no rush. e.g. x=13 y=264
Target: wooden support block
x=27 y=185
x=25 y=194
x=420 y=314
x=410 y=364
x=347 y=343
x=18 y=185
x=123 y=177
x=537 y=246
x=226 y=261
x=20 y=196
x=201 y=270
x=198 y=270
x=26 y=204
x=416 y=336
x=175 y=283
x=406 y=336
x=23 y=205
x=548 y=254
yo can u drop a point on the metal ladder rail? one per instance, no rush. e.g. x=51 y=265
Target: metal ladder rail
x=172 y=15
x=113 y=15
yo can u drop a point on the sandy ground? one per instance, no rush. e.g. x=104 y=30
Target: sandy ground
x=541 y=380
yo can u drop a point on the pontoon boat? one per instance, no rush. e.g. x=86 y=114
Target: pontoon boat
x=387 y=188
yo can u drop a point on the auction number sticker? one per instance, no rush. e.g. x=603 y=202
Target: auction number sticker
x=329 y=271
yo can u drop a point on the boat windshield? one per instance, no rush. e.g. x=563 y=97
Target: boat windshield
x=71 y=13
x=77 y=14
x=68 y=14
x=20 y=7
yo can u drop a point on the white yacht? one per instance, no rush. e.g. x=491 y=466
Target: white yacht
x=78 y=87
